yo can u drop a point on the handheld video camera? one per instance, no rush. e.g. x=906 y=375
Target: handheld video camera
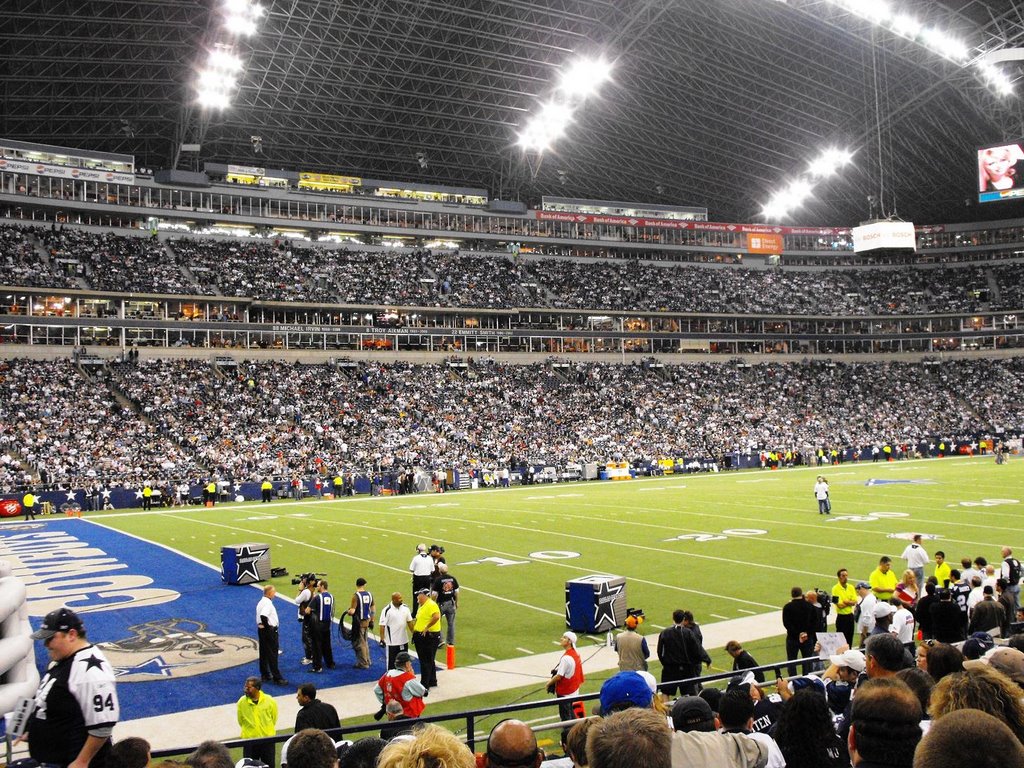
x=306 y=577
x=636 y=613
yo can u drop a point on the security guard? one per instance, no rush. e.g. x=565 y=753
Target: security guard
x=147 y=496
x=267 y=488
x=426 y=636
x=28 y=505
x=211 y=493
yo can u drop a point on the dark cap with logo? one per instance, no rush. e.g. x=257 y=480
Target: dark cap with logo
x=60 y=620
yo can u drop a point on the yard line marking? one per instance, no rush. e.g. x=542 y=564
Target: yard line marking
x=744 y=610
x=758 y=480
x=524 y=650
x=716 y=616
x=657 y=626
x=485 y=656
x=366 y=561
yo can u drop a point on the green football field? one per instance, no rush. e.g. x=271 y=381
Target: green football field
x=724 y=546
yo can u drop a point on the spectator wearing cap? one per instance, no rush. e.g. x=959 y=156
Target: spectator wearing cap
x=567 y=677
x=314 y=713
x=883 y=618
x=865 y=610
x=625 y=690
x=741 y=659
x=736 y=715
x=632 y=647
x=987 y=615
x=446 y=592
x=841 y=677
x=421 y=567
x=257 y=716
x=1009 y=661
x=696 y=742
x=400 y=684
x=946 y=619
x=977 y=645
x=426 y=636
x=76 y=703
x=436 y=553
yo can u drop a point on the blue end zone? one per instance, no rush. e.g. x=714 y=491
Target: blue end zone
x=178 y=637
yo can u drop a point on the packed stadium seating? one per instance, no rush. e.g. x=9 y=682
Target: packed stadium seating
x=279 y=271
x=273 y=418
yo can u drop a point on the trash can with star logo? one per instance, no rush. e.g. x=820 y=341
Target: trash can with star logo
x=244 y=563
x=595 y=603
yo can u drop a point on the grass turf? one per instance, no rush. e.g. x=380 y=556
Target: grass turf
x=722 y=545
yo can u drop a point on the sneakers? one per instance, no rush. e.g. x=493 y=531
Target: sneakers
x=305 y=661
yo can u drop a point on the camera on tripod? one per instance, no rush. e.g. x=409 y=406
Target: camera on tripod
x=306 y=577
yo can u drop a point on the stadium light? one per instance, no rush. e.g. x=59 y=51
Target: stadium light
x=219 y=78
x=544 y=128
x=906 y=26
x=584 y=77
x=241 y=16
x=829 y=163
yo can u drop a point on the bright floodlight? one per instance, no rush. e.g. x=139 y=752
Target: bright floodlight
x=224 y=60
x=873 y=10
x=830 y=161
x=906 y=26
x=585 y=76
x=214 y=99
x=944 y=44
x=544 y=128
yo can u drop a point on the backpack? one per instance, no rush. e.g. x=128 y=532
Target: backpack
x=1013 y=577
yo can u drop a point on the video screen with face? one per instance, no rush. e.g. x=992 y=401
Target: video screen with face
x=1001 y=172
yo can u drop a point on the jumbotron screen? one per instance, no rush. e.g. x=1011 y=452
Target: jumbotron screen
x=1001 y=172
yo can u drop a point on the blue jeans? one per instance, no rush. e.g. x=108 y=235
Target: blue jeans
x=448 y=611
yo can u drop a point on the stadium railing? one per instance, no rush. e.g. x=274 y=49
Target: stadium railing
x=472 y=719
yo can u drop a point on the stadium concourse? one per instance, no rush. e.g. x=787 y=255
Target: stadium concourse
x=356 y=703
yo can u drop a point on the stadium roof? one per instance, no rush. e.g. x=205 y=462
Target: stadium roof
x=713 y=103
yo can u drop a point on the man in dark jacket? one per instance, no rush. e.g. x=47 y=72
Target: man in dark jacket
x=800 y=619
x=678 y=651
x=314 y=713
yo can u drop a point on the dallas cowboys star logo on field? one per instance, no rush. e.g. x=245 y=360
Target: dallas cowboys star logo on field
x=604 y=605
x=156 y=666
x=247 y=559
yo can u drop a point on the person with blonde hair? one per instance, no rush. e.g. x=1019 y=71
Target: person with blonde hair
x=907 y=590
x=980 y=687
x=430 y=745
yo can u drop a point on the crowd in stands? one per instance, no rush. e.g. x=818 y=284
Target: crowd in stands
x=275 y=418
x=123 y=264
x=281 y=271
x=72 y=432
x=21 y=264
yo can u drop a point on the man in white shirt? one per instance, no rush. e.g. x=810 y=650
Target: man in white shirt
x=422 y=569
x=865 y=610
x=395 y=624
x=267 y=624
x=903 y=626
x=916 y=559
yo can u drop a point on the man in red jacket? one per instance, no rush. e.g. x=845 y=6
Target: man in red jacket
x=567 y=677
x=400 y=684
